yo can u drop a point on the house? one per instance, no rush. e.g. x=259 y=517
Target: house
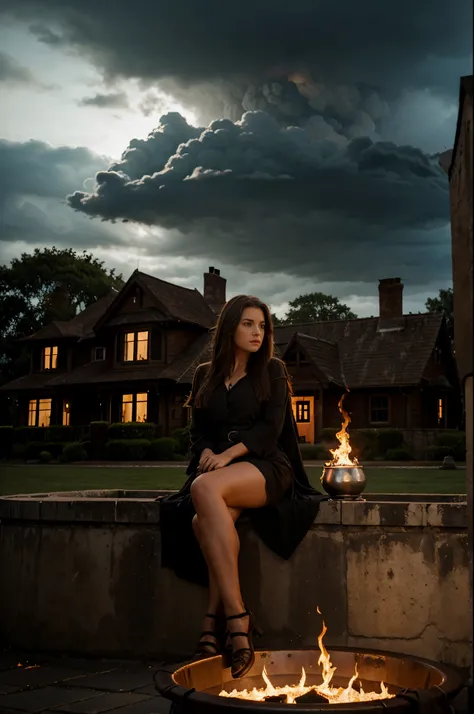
x=131 y=357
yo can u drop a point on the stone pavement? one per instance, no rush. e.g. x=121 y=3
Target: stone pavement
x=54 y=685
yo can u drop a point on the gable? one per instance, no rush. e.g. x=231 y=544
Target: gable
x=370 y=358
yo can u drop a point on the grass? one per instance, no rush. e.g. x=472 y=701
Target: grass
x=21 y=478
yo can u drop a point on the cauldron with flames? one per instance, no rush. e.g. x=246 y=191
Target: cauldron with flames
x=343 y=477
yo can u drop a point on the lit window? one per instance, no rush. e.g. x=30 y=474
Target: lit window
x=134 y=407
x=44 y=412
x=66 y=413
x=50 y=357
x=32 y=412
x=379 y=410
x=135 y=347
x=39 y=412
x=441 y=411
x=303 y=412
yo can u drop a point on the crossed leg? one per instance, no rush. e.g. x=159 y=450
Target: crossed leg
x=217 y=497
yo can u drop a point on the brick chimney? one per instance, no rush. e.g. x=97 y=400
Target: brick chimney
x=390 y=304
x=214 y=290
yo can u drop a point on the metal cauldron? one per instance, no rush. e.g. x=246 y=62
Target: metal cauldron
x=343 y=481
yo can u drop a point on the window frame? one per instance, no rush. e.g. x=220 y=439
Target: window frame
x=53 y=356
x=301 y=404
x=104 y=352
x=372 y=409
x=135 y=343
x=133 y=401
x=36 y=411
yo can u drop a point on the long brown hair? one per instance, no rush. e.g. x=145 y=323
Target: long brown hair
x=223 y=355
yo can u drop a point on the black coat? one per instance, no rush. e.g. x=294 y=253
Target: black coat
x=281 y=526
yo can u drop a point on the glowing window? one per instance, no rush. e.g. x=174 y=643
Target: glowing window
x=32 y=412
x=135 y=347
x=66 y=413
x=39 y=412
x=135 y=407
x=50 y=357
x=303 y=412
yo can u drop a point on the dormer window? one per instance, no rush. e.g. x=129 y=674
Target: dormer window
x=50 y=357
x=135 y=347
x=99 y=354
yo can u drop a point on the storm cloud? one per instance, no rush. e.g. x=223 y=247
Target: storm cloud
x=34 y=180
x=254 y=169
x=291 y=59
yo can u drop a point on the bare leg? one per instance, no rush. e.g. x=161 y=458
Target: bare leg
x=215 y=600
x=235 y=486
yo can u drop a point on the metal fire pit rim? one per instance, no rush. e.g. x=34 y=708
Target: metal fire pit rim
x=166 y=685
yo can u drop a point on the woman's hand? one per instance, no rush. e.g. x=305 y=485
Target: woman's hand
x=210 y=461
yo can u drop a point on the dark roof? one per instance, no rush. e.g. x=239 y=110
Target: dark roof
x=465 y=89
x=371 y=358
x=37 y=380
x=185 y=304
x=182 y=369
x=324 y=355
x=78 y=326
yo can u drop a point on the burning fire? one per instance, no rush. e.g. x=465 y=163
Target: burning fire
x=333 y=695
x=341 y=456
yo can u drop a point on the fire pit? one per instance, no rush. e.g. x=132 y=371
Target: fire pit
x=205 y=687
x=343 y=477
x=311 y=680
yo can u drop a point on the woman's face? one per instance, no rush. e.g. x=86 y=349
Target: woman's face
x=250 y=331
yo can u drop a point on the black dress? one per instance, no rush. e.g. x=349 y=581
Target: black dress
x=269 y=432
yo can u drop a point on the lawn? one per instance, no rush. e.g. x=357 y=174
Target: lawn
x=35 y=478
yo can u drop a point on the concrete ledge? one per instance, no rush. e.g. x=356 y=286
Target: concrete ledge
x=115 y=506
x=81 y=574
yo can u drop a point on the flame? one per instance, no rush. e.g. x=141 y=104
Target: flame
x=341 y=455
x=334 y=695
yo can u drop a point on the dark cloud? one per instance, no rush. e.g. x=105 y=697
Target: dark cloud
x=37 y=168
x=275 y=200
x=34 y=180
x=340 y=53
x=253 y=169
x=13 y=72
x=112 y=100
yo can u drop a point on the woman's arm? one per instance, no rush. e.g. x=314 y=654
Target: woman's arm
x=199 y=435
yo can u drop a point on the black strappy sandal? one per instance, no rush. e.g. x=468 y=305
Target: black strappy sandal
x=205 y=648
x=241 y=661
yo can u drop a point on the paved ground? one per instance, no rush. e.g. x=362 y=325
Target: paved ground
x=77 y=686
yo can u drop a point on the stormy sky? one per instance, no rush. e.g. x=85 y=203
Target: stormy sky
x=293 y=144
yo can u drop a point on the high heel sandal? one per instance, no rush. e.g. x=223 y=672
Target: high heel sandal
x=205 y=648
x=241 y=661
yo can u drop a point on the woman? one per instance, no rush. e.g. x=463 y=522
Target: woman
x=245 y=457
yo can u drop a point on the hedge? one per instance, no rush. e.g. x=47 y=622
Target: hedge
x=314 y=452
x=26 y=434
x=163 y=449
x=132 y=430
x=73 y=452
x=127 y=449
x=182 y=437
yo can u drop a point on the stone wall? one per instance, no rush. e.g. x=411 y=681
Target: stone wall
x=80 y=573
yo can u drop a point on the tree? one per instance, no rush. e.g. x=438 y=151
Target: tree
x=443 y=304
x=49 y=284
x=317 y=307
